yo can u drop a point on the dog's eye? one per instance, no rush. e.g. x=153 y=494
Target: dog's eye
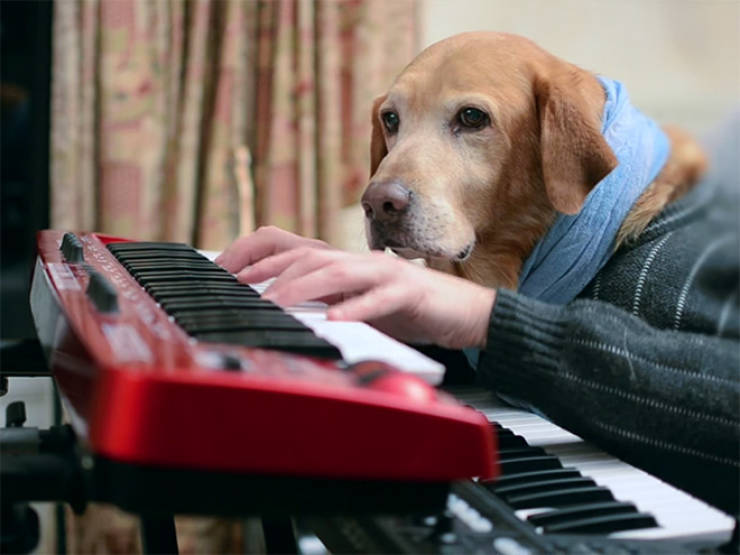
x=472 y=118
x=391 y=121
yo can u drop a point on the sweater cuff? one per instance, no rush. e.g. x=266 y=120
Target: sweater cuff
x=524 y=335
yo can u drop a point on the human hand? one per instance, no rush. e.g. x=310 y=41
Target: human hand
x=266 y=241
x=402 y=299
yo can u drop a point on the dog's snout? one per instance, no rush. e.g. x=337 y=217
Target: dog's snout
x=385 y=200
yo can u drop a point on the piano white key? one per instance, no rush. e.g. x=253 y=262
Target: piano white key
x=678 y=514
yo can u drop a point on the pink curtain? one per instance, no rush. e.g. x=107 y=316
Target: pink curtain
x=196 y=121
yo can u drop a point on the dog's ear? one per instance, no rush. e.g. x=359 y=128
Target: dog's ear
x=575 y=156
x=378 y=149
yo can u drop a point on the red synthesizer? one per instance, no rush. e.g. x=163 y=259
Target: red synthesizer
x=164 y=359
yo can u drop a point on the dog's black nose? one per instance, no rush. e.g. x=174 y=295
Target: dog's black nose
x=385 y=200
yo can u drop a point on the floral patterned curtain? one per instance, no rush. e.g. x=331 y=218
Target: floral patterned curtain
x=196 y=120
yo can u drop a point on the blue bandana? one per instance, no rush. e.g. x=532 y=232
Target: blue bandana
x=576 y=247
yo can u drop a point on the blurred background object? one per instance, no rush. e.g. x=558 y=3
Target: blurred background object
x=153 y=101
x=679 y=59
x=197 y=121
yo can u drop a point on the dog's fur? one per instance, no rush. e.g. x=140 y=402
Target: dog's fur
x=480 y=199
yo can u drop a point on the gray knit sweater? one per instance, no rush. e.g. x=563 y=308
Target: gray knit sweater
x=646 y=362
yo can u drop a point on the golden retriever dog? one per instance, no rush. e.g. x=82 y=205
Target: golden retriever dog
x=478 y=145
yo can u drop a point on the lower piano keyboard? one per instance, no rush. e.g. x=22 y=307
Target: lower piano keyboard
x=556 y=493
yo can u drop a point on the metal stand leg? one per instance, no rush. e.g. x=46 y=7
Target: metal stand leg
x=279 y=535
x=158 y=535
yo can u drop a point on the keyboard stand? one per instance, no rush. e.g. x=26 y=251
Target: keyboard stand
x=158 y=534
x=279 y=535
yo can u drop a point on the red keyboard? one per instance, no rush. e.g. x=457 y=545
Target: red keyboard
x=164 y=360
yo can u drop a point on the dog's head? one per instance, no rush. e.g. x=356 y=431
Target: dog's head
x=477 y=144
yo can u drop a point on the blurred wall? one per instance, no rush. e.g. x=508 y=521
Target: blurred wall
x=680 y=59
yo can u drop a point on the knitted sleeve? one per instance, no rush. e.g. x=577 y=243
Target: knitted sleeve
x=664 y=400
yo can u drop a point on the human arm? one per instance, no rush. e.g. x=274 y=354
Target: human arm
x=664 y=400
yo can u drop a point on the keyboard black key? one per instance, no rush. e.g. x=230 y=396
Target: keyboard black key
x=520 y=452
x=130 y=246
x=528 y=464
x=532 y=476
x=295 y=341
x=144 y=265
x=224 y=303
x=604 y=524
x=190 y=276
x=508 y=439
x=278 y=321
x=542 y=485
x=159 y=255
x=572 y=496
x=198 y=289
x=195 y=273
x=579 y=512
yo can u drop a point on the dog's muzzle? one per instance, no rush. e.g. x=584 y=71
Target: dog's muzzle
x=386 y=201
x=396 y=219
x=386 y=205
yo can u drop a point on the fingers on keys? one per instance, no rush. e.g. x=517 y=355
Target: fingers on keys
x=264 y=242
x=321 y=274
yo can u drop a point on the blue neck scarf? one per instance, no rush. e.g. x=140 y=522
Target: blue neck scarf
x=576 y=247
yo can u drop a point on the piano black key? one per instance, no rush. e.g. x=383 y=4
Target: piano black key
x=131 y=246
x=572 y=496
x=579 y=512
x=233 y=314
x=508 y=439
x=190 y=276
x=159 y=255
x=532 y=476
x=223 y=303
x=199 y=289
x=205 y=272
x=519 y=452
x=196 y=328
x=542 y=485
x=295 y=341
x=143 y=265
x=227 y=324
x=604 y=524
x=528 y=464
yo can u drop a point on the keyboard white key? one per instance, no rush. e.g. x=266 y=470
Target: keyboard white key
x=678 y=513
